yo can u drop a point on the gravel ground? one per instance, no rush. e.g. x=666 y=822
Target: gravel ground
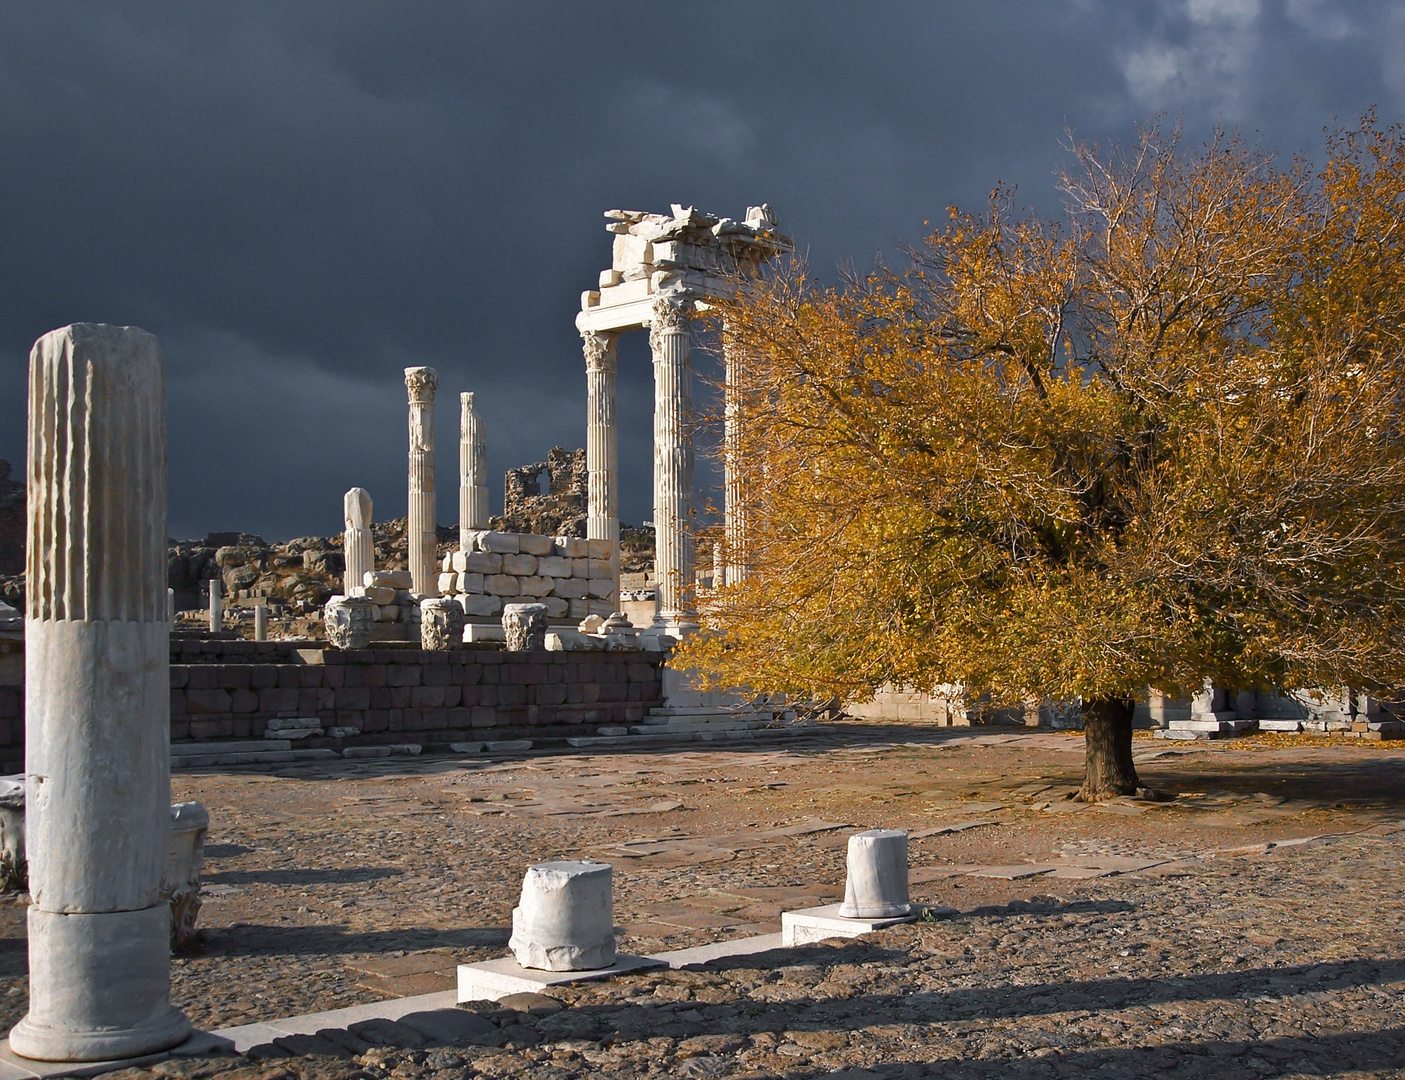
x=1249 y=927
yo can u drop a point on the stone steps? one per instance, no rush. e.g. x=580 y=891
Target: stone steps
x=703 y=711
x=221 y=756
x=674 y=738
x=1201 y=729
x=647 y=728
x=238 y=746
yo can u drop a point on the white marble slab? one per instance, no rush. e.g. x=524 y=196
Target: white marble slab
x=494 y=979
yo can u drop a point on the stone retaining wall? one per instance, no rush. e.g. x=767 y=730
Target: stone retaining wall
x=232 y=689
x=573 y=578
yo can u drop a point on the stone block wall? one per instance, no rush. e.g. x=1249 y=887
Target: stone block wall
x=904 y=703
x=232 y=689
x=11 y=701
x=574 y=578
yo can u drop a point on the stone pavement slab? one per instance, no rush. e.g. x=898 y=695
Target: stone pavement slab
x=250 y=1035
x=817 y=924
x=493 y=979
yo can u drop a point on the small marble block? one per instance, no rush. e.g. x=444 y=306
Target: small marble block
x=815 y=924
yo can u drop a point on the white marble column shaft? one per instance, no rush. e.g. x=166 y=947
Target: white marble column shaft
x=602 y=448
x=421 y=382
x=216 y=605
x=358 y=544
x=97 y=700
x=473 y=472
x=733 y=503
x=670 y=339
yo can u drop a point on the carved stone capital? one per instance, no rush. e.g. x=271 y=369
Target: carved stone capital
x=670 y=313
x=600 y=352
x=421 y=382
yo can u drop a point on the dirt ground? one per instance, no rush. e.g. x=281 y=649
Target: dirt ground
x=336 y=884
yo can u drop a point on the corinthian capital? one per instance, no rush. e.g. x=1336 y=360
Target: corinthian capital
x=670 y=313
x=599 y=350
x=421 y=382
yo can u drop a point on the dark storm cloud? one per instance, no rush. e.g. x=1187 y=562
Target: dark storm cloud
x=302 y=199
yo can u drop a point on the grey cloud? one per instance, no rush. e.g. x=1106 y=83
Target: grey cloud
x=301 y=198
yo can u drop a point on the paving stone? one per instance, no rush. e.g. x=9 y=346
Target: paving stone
x=452 y=1027
x=388 y=1033
x=344 y=878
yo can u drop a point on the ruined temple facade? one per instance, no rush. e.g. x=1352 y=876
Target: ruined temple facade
x=560 y=509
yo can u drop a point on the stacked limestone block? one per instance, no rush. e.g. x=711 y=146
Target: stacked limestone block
x=390 y=591
x=574 y=578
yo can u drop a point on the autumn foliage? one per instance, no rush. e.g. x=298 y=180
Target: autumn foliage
x=1155 y=441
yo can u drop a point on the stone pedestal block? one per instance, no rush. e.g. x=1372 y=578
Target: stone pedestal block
x=348 y=621
x=877 y=876
x=441 y=623
x=525 y=626
x=565 y=919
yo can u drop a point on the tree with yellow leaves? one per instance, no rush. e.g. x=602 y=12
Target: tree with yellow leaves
x=1154 y=442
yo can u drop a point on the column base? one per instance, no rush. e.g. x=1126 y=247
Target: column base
x=99 y=987
x=677 y=626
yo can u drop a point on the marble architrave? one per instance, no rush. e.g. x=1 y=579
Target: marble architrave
x=97 y=687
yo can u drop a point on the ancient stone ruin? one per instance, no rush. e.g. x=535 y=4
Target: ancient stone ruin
x=665 y=269
x=546 y=497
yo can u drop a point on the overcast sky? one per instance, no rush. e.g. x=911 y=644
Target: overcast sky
x=302 y=199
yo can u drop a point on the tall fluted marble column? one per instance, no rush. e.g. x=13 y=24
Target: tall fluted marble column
x=602 y=448
x=733 y=504
x=358 y=545
x=97 y=700
x=473 y=471
x=670 y=339
x=421 y=382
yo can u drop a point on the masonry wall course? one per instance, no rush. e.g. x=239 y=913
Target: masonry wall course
x=224 y=689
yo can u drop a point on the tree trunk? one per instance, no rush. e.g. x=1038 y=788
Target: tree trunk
x=1107 y=734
